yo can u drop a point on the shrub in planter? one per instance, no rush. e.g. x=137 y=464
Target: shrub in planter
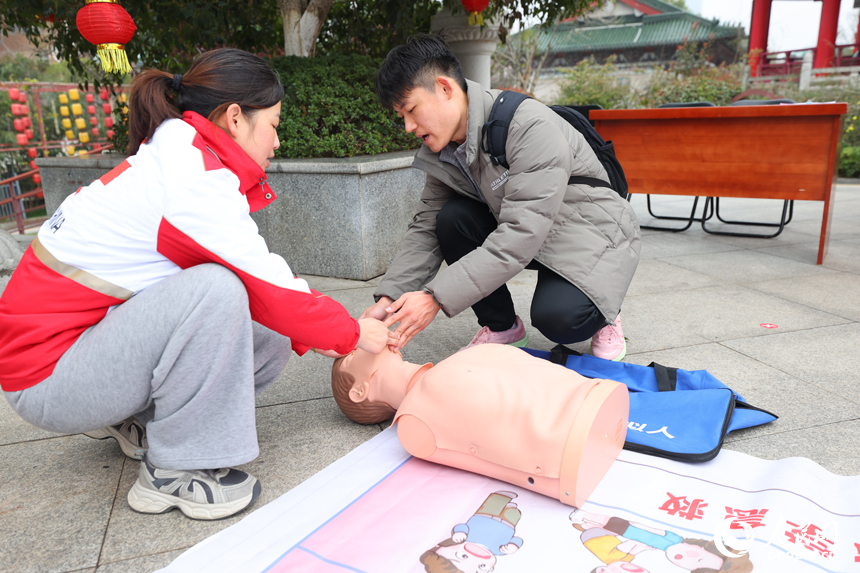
x=589 y=83
x=330 y=109
x=717 y=85
x=849 y=163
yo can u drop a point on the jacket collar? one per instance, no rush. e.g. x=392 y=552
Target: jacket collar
x=252 y=178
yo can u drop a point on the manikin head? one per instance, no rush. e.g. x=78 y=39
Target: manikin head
x=367 y=387
x=423 y=83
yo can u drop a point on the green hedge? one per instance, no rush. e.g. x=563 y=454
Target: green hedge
x=849 y=163
x=330 y=109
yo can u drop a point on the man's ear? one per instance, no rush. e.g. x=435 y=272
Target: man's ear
x=446 y=85
x=358 y=392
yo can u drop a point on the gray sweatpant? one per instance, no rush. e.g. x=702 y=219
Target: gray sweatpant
x=183 y=356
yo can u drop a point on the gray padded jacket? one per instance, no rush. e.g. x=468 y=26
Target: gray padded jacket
x=588 y=235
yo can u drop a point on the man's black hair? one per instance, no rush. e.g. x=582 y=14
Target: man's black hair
x=417 y=63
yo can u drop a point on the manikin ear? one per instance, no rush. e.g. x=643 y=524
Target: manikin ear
x=446 y=85
x=359 y=390
x=232 y=120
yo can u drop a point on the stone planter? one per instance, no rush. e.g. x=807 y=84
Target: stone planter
x=333 y=217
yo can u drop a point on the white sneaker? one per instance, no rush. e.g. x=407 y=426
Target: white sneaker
x=130 y=434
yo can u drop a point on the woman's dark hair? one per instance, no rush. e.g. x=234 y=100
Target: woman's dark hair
x=216 y=80
x=417 y=63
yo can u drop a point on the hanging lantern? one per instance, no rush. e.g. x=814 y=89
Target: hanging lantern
x=16 y=109
x=94 y=120
x=37 y=179
x=90 y=98
x=14 y=93
x=32 y=153
x=108 y=122
x=70 y=134
x=91 y=109
x=110 y=133
x=80 y=123
x=64 y=110
x=29 y=133
x=107 y=25
x=95 y=131
x=22 y=98
x=64 y=99
x=74 y=94
x=27 y=122
x=24 y=110
x=33 y=165
x=84 y=137
x=67 y=123
x=77 y=109
x=104 y=95
x=70 y=149
x=475 y=7
x=21 y=138
x=106 y=108
x=18 y=124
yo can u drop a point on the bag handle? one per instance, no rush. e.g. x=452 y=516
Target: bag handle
x=667 y=378
x=559 y=354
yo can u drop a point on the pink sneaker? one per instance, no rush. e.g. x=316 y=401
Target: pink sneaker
x=516 y=336
x=609 y=342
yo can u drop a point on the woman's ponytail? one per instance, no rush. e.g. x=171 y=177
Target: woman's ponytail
x=150 y=103
x=216 y=79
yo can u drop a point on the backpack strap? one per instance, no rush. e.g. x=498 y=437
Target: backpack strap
x=494 y=133
x=590 y=181
x=667 y=378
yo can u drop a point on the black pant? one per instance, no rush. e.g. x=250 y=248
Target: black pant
x=560 y=311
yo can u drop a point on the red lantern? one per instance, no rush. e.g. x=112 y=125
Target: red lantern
x=22 y=98
x=16 y=109
x=29 y=133
x=14 y=93
x=475 y=7
x=95 y=131
x=106 y=108
x=21 y=138
x=94 y=120
x=37 y=179
x=107 y=25
x=32 y=152
x=110 y=133
x=18 y=124
x=24 y=110
x=104 y=95
x=91 y=109
x=108 y=122
x=33 y=165
x=27 y=122
x=91 y=98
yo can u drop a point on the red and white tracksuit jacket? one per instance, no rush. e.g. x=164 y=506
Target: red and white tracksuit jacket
x=184 y=199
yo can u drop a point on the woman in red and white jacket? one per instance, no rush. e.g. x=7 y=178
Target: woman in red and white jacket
x=149 y=309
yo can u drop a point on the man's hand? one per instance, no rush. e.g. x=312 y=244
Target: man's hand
x=375 y=336
x=414 y=311
x=377 y=310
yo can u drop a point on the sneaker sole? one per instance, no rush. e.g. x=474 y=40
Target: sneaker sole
x=144 y=500
x=521 y=343
x=127 y=448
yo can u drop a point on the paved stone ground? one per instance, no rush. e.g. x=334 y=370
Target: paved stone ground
x=697 y=302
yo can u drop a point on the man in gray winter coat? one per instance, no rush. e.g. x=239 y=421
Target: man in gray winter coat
x=489 y=223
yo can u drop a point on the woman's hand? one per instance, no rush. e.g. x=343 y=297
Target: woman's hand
x=377 y=310
x=375 y=336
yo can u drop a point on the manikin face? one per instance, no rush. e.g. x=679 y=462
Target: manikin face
x=433 y=116
x=692 y=557
x=469 y=557
x=257 y=134
x=364 y=366
x=621 y=567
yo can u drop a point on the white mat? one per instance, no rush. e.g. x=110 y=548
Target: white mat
x=377 y=510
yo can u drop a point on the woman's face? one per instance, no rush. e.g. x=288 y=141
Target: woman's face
x=257 y=135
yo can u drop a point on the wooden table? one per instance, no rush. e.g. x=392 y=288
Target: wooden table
x=788 y=152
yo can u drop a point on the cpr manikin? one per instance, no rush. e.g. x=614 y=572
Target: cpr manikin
x=494 y=410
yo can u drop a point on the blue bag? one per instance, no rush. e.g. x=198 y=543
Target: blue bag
x=677 y=414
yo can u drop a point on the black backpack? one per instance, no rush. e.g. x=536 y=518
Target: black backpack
x=494 y=136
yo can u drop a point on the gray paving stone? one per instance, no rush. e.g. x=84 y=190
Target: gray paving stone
x=841 y=255
x=296 y=441
x=836 y=447
x=326 y=284
x=824 y=357
x=838 y=294
x=841 y=227
x=746 y=266
x=723 y=313
x=55 y=503
x=664 y=245
x=655 y=276
x=145 y=564
x=797 y=403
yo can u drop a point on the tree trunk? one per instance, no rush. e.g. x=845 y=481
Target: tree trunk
x=303 y=21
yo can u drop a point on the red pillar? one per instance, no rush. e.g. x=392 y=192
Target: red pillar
x=827 y=34
x=759 y=26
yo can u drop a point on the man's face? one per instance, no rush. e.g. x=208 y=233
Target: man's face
x=432 y=116
x=469 y=557
x=692 y=557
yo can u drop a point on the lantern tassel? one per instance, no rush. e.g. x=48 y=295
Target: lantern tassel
x=476 y=18
x=113 y=58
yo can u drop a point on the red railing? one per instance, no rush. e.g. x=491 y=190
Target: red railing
x=18 y=210
x=790 y=62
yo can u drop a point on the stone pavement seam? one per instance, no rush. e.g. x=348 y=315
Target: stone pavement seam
x=112 y=507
